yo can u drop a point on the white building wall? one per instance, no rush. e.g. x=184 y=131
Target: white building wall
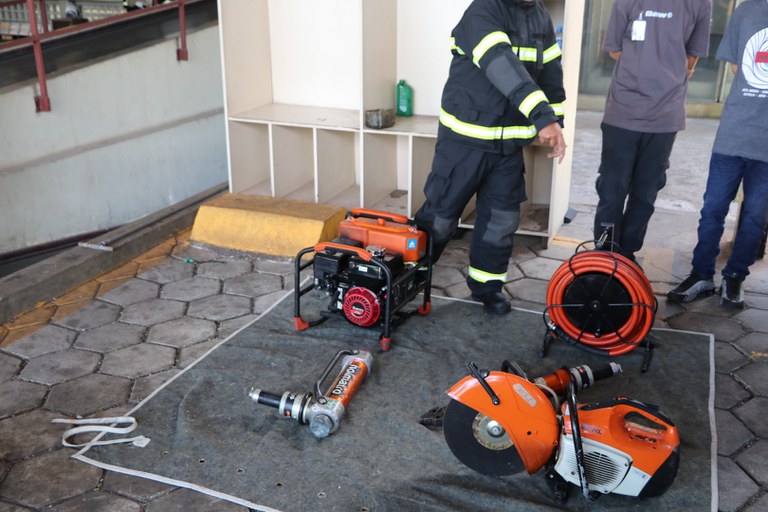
x=126 y=136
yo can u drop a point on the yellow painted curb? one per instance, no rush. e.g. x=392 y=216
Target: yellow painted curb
x=265 y=225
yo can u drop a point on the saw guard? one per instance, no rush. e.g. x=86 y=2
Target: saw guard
x=524 y=411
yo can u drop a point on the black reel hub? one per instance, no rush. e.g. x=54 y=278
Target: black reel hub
x=597 y=303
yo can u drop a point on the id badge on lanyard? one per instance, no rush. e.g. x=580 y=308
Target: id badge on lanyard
x=638 y=29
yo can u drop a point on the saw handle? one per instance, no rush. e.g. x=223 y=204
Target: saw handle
x=643 y=426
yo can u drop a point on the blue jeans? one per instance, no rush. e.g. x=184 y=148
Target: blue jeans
x=725 y=175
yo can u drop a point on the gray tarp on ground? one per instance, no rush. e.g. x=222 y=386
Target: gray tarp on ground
x=207 y=435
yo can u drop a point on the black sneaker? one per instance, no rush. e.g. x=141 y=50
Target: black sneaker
x=694 y=287
x=731 y=294
x=495 y=303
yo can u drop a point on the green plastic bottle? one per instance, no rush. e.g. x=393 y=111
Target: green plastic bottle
x=404 y=99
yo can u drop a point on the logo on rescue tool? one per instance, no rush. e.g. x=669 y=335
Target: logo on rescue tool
x=346 y=378
x=412 y=243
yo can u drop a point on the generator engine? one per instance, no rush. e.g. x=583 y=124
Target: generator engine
x=378 y=264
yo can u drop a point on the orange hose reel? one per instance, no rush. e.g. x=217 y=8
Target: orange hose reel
x=600 y=300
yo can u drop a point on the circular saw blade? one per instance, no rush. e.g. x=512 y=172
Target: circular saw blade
x=479 y=442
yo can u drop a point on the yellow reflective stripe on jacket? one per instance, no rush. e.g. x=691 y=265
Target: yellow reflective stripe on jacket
x=477 y=131
x=525 y=53
x=530 y=102
x=454 y=47
x=552 y=53
x=487 y=43
x=558 y=108
x=484 y=277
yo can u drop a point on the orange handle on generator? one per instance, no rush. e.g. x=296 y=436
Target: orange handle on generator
x=379 y=215
x=361 y=253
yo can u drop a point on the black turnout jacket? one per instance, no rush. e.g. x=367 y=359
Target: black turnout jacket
x=506 y=80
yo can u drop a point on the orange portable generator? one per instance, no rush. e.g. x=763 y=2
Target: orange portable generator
x=379 y=263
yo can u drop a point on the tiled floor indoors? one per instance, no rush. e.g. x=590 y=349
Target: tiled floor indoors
x=100 y=349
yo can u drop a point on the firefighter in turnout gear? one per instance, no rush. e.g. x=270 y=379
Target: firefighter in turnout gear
x=504 y=89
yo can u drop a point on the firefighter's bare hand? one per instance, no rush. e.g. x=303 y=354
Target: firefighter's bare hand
x=552 y=136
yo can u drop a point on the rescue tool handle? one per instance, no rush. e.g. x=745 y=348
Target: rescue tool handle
x=358 y=251
x=376 y=214
x=328 y=369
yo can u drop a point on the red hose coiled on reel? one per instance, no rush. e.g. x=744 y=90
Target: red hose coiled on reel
x=612 y=306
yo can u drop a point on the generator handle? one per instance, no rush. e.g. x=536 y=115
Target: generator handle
x=376 y=214
x=358 y=251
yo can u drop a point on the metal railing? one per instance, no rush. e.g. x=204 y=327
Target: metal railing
x=14 y=16
x=41 y=14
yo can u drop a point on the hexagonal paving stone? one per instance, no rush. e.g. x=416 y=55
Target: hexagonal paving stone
x=144 y=386
x=7 y=507
x=735 y=488
x=729 y=392
x=97 y=500
x=761 y=505
x=540 y=268
x=191 y=289
x=224 y=269
x=752 y=413
x=731 y=433
x=454 y=256
x=60 y=367
x=17 y=396
x=131 y=292
x=754 y=460
x=263 y=303
x=531 y=290
x=28 y=434
x=50 y=338
x=557 y=250
x=95 y=314
x=755 y=375
x=458 y=291
x=253 y=285
x=110 y=337
x=220 y=307
x=182 y=332
x=136 y=488
x=152 y=312
x=189 y=355
x=724 y=329
x=9 y=366
x=513 y=273
x=49 y=478
x=755 y=344
x=228 y=327
x=138 y=360
x=728 y=358
x=86 y=395
x=277 y=267
x=184 y=500
x=443 y=277
x=754 y=319
x=665 y=309
x=168 y=270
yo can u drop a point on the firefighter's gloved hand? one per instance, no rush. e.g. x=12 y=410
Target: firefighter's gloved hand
x=552 y=136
